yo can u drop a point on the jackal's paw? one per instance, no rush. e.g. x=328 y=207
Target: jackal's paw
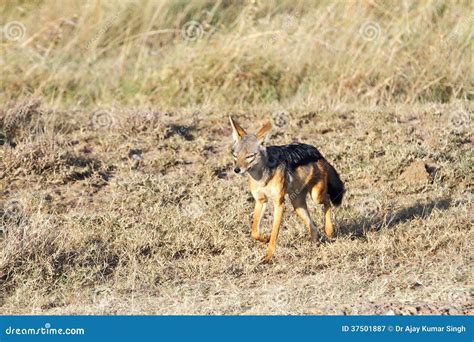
x=315 y=237
x=328 y=239
x=261 y=238
x=267 y=259
x=325 y=239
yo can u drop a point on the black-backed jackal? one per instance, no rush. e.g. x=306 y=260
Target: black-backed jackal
x=275 y=171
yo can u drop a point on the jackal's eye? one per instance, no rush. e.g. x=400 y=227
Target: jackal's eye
x=250 y=157
x=234 y=155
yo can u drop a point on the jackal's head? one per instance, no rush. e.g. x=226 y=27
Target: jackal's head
x=248 y=149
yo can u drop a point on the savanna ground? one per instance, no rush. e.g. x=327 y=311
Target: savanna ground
x=117 y=194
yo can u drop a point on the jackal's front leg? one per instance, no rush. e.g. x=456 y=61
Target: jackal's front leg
x=278 y=214
x=260 y=206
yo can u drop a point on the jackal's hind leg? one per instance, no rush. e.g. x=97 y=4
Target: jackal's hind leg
x=320 y=196
x=299 y=203
x=328 y=228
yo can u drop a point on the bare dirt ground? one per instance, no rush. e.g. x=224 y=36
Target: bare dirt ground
x=136 y=211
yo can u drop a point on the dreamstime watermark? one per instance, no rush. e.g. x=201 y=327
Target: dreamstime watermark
x=289 y=23
x=470 y=198
x=281 y=118
x=13 y=208
x=188 y=295
x=461 y=27
x=370 y=30
x=459 y=121
x=441 y=142
x=455 y=122
x=47 y=329
x=13 y=31
x=192 y=31
x=277 y=297
x=454 y=297
x=144 y=119
x=211 y=297
x=102 y=298
x=102 y=120
x=283 y=298
x=193 y=209
x=108 y=24
x=11 y=213
x=183 y=131
x=368 y=205
x=195 y=30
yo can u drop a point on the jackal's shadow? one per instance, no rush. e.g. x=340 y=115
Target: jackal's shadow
x=359 y=226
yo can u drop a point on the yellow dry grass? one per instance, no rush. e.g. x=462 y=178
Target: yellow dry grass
x=177 y=53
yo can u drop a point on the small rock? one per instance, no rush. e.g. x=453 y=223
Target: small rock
x=339 y=313
x=411 y=310
x=135 y=154
x=390 y=313
x=432 y=168
x=415 y=285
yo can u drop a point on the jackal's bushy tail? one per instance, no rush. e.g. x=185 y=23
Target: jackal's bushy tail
x=335 y=186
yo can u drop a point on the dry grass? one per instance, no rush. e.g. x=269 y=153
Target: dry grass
x=241 y=53
x=145 y=216
x=115 y=182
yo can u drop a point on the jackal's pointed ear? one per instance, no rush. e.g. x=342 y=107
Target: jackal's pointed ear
x=263 y=132
x=237 y=131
